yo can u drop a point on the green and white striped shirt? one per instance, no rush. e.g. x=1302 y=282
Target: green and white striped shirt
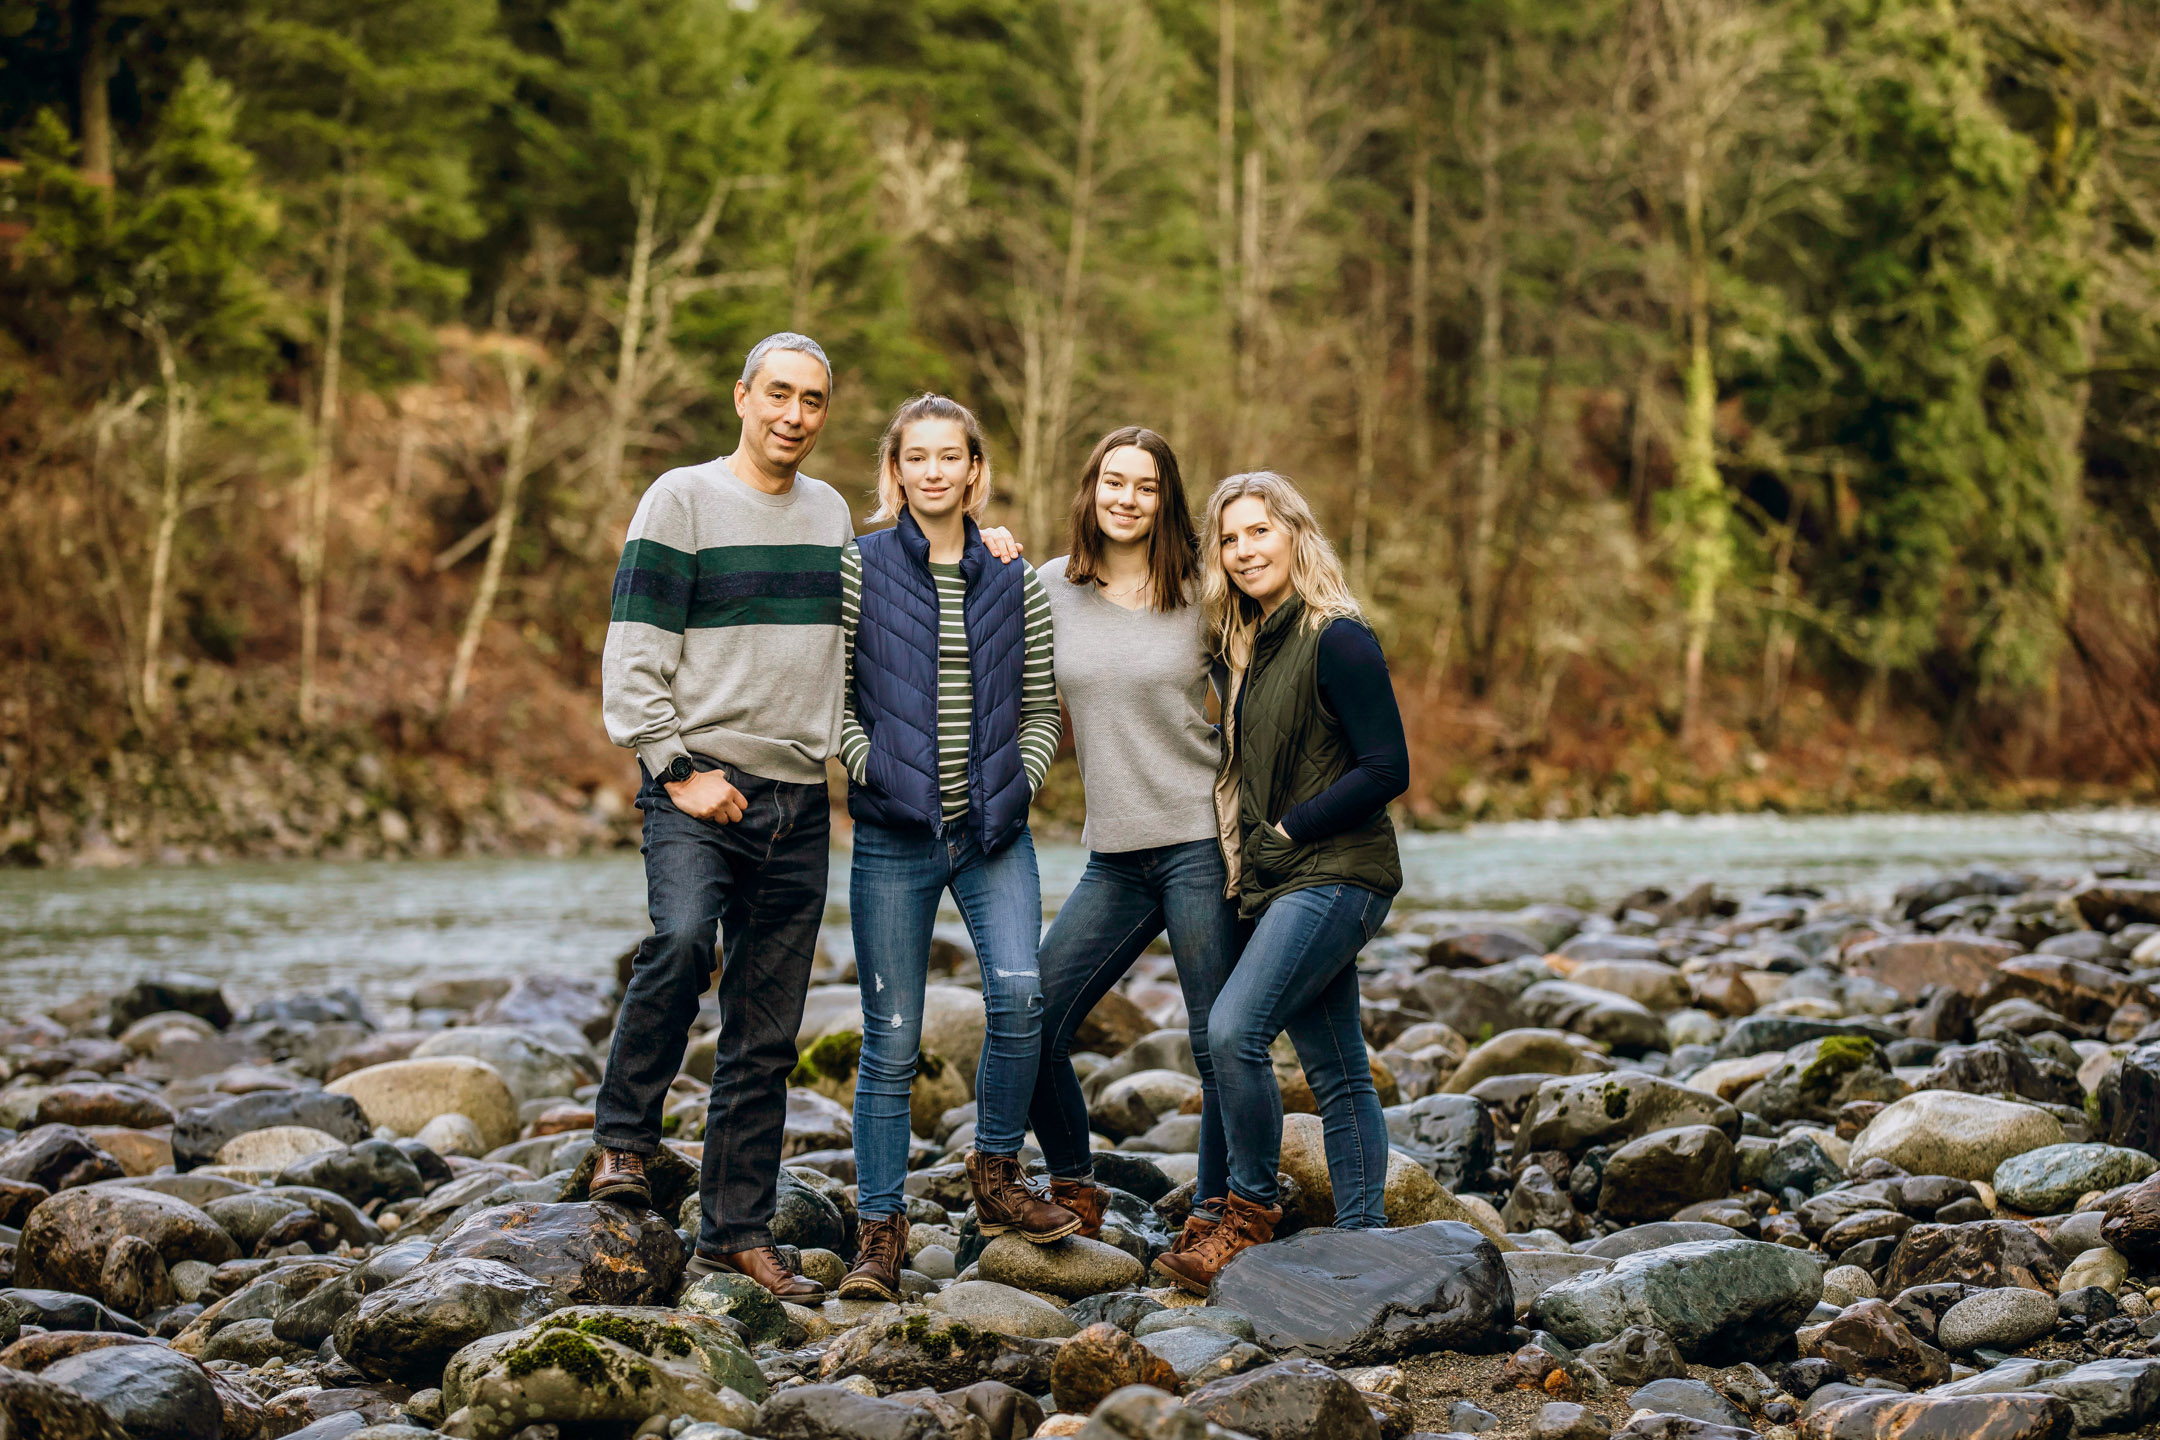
x=1040 y=723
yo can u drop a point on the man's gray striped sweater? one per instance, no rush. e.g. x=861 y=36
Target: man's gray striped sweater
x=724 y=637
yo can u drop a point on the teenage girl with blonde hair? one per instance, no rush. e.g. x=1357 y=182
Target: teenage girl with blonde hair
x=1313 y=752
x=949 y=721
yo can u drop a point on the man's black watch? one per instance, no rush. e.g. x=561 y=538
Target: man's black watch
x=680 y=769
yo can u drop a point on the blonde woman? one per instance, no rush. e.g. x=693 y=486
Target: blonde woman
x=949 y=720
x=1312 y=755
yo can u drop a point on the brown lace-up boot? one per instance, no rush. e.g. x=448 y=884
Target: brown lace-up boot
x=1243 y=1226
x=1004 y=1203
x=1198 y=1226
x=1085 y=1199
x=880 y=1249
x=620 y=1177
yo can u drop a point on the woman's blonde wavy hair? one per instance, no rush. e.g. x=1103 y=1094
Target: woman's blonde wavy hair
x=891 y=498
x=1232 y=617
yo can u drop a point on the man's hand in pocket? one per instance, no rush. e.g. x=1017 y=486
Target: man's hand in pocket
x=708 y=795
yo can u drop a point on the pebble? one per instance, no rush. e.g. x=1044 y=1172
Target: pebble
x=2003 y=1318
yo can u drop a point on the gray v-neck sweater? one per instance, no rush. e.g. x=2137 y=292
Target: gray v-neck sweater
x=1135 y=683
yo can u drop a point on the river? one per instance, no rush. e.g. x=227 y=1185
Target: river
x=268 y=929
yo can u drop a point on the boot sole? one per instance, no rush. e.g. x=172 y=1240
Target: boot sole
x=1184 y=1282
x=1033 y=1237
x=854 y=1289
x=623 y=1195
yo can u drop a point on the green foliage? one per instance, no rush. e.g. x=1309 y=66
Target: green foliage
x=179 y=247
x=1854 y=296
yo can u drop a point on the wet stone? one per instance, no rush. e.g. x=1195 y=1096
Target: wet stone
x=1984 y=1252
x=1289 y=1400
x=1102 y=1359
x=31 y=1405
x=1711 y=1297
x=1868 y=1338
x=1361 y=1296
x=152 y=1392
x=56 y=1157
x=2004 y=1318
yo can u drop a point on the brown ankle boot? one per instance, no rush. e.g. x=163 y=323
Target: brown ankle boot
x=620 y=1176
x=1003 y=1202
x=1085 y=1199
x=1198 y=1226
x=1243 y=1226
x=880 y=1250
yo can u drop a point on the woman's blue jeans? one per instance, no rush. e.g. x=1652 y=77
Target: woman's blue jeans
x=1123 y=901
x=1299 y=973
x=893 y=891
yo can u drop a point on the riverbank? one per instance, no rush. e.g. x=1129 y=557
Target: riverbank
x=266 y=927
x=539 y=780
x=1712 y=1160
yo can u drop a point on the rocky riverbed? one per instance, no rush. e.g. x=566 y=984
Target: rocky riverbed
x=1698 y=1167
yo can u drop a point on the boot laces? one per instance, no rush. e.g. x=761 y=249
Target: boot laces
x=886 y=1242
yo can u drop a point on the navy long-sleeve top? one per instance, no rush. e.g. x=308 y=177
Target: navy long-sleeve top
x=1355 y=687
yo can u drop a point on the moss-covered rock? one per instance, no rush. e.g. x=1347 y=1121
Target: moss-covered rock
x=573 y=1371
x=942 y=1352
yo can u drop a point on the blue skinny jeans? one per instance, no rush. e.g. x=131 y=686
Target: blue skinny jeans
x=1299 y=973
x=893 y=891
x=1123 y=901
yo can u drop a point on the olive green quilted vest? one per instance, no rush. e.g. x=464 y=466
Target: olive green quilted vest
x=1289 y=749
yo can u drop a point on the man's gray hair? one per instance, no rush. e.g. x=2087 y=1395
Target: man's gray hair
x=785 y=340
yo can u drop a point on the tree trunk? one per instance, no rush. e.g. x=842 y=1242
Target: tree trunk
x=1706 y=538
x=622 y=398
x=1226 y=162
x=169 y=501
x=1244 y=426
x=1421 y=309
x=315 y=519
x=1372 y=394
x=1483 y=510
x=1065 y=359
x=522 y=409
x=1778 y=645
x=94 y=81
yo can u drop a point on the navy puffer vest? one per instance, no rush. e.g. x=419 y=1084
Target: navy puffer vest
x=896 y=686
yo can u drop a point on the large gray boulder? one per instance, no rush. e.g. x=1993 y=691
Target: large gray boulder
x=1713 y=1297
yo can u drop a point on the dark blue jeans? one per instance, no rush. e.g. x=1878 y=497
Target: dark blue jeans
x=1299 y=973
x=758 y=884
x=893 y=892
x=1123 y=901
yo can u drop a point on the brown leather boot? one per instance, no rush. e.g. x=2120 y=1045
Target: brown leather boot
x=620 y=1177
x=1198 y=1226
x=1085 y=1199
x=1243 y=1226
x=763 y=1264
x=1004 y=1203
x=880 y=1250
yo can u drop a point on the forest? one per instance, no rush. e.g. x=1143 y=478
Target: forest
x=1718 y=404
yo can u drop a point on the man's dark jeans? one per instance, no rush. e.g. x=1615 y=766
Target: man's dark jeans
x=760 y=884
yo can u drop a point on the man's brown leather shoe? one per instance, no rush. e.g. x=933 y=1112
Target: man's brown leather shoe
x=1085 y=1199
x=1004 y=1203
x=880 y=1250
x=1243 y=1225
x=764 y=1265
x=620 y=1176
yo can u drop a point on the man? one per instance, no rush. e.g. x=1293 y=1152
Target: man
x=723 y=671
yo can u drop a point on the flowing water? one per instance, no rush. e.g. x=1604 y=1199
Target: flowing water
x=275 y=928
